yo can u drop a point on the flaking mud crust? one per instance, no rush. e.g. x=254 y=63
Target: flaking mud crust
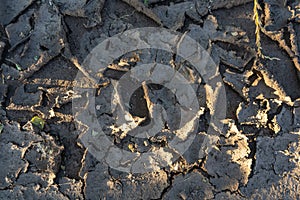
x=256 y=154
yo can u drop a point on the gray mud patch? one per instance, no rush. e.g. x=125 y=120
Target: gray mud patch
x=255 y=155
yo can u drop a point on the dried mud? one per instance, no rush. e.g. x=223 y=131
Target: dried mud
x=255 y=155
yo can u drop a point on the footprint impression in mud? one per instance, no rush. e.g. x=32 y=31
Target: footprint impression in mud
x=145 y=115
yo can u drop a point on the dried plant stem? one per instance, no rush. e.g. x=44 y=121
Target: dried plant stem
x=257 y=21
x=258 y=30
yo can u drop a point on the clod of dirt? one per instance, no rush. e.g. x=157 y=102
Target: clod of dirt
x=199 y=34
x=83 y=8
x=11 y=9
x=46 y=41
x=296 y=113
x=276 y=14
x=283 y=121
x=238 y=82
x=203 y=7
x=21 y=30
x=26 y=99
x=100 y=184
x=173 y=16
x=71 y=188
x=228 y=164
x=27 y=158
x=231 y=58
x=9 y=73
x=3 y=92
x=259 y=90
x=228 y=195
x=32 y=192
x=191 y=186
x=11 y=164
x=2 y=46
x=277 y=168
x=44 y=156
x=254 y=113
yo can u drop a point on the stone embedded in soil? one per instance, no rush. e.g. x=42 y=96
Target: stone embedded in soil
x=11 y=9
x=190 y=186
x=276 y=169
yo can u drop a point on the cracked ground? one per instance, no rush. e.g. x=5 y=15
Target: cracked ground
x=256 y=153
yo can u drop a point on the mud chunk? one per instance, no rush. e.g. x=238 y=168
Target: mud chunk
x=231 y=58
x=199 y=34
x=217 y=4
x=9 y=73
x=148 y=186
x=297 y=115
x=276 y=14
x=45 y=155
x=83 y=8
x=71 y=188
x=99 y=184
x=20 y=30
x=173 y=16
x=12 y=134
x=18 y=155
x=276 y=169
x=96 y=182
x=13 y=145
x=238 y=82
x=2 y=46
x=31 y=179
x=46 y=41
x=229 y=165
x=191 y=186
x=255 y=113
x=11 y=163
x=259 y=90
x=228 y=195
x=3 y=91
x=26 y=99
x=283 y=121
x=10 y=9
x=22 y=192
